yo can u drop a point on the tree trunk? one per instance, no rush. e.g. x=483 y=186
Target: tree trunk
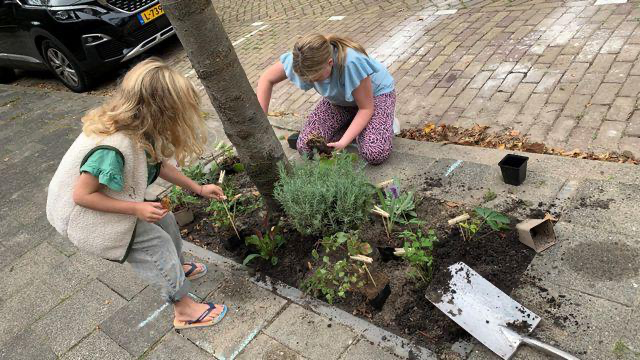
x=215 y=61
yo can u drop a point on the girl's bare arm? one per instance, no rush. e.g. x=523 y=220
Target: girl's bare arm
x=87 y=193
x=273 y=75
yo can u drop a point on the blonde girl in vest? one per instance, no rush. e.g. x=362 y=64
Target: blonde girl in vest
x=96 y=196
x=358 y=94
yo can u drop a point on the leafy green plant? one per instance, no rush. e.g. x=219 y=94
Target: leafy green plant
x=482 y=216
x=494 y=219
x=333 y=280
x=267 y=245
x=237 y=204
x=197 y=173
x=397 y=207
x=353 y=245
x=418 y=250
x=324 y=196
x=180 y=198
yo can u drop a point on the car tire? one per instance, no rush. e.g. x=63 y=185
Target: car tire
x=7 y=75
x=65 y=67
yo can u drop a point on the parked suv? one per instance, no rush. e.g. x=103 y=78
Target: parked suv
x=77 y=39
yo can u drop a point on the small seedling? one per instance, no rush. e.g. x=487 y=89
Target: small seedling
x=482 y=216
x=354 y=246
x=267 y=245
x=396 y=207
x=418 y=250
x=489 y=195
x=334 y=280
x=179 y=198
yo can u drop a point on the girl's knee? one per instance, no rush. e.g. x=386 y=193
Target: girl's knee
x=375 y=157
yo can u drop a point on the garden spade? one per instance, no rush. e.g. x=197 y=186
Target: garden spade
x=487 y=313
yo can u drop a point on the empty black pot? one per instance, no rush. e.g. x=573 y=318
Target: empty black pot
x=293 y=141
x=386 y=253
x=514 y=169
x=379 y=301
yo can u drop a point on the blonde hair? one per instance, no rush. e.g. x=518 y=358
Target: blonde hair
x=159 y=108
x=312 y=52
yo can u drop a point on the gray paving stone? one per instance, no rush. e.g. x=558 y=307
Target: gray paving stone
x=250 y=310
x=140 y=323
x=175 y=347
x=25 y=307
x=406 y=168
x=606 y=205
x=97 y=346
x=122 y=280
x=583 y=325
x=308 y=333
x=265 y=348
x=478 y=179
x=212 y=280
x=27 y=268
x=365 y=350
x=593 y=261
x=81 y=313
x=26 y=346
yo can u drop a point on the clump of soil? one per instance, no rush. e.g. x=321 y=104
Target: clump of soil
x=499 y=257
x=319 y=144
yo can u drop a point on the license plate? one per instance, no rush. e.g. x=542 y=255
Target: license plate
x=150 y=14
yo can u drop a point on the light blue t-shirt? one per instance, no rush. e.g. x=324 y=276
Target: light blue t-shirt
x=338 y=89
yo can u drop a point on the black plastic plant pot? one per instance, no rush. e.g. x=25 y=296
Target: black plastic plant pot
x=379 y=301
x=514 y=169
x=386 y=253
x=293 y=141
x=232 y=243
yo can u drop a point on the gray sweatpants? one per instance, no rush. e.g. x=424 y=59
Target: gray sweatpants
x=156 y=256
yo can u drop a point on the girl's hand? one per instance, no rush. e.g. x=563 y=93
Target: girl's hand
x=338 y=145
x=150 y=211
x=212 y=192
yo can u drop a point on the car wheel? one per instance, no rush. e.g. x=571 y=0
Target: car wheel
x=7 y=75
x=65 y=67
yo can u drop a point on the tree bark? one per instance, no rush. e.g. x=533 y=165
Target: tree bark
x=216 y=63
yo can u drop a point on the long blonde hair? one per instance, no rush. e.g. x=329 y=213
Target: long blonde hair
x=312 y=52
x=159 y=108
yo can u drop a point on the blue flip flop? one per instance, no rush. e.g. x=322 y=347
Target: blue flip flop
x=193 y=267
x=199 y=322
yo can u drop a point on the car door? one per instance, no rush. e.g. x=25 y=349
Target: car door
x=8 y=32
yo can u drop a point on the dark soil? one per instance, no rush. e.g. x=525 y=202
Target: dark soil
x=499 y=257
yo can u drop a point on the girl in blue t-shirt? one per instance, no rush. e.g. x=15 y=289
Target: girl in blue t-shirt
x=358 y=94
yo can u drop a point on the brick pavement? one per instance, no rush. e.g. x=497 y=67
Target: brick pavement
x=563 y=72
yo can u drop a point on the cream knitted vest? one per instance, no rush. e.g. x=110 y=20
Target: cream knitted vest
x=107 y=235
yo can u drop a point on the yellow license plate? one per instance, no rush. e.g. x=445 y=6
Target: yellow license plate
x=150 y=14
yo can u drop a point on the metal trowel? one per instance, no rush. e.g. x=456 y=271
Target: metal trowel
x=488 y=314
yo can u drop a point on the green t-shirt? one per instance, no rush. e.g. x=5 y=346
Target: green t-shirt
x=108 y=166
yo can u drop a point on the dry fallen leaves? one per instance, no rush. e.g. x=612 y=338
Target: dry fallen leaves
x=480 y=135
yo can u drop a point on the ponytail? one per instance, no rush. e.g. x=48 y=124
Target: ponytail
x=311 y=53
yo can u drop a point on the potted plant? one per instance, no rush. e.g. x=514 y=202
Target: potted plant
x=178 y=202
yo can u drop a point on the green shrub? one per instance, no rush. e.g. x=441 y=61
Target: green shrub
x=325 y=196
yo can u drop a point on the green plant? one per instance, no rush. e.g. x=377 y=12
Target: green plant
x=396 y=207
x=489 y=195
x=324 y=196
x=333 y=280
x=494 y=219
x=482 y=216
x=354 y=246
x=180 y=198
x=197 y=173
x=267 y=245
x=418 y=250
x=223 y=149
